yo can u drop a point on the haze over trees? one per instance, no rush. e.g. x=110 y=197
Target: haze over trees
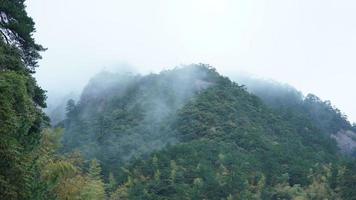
x=219 y=141
x=184 y=133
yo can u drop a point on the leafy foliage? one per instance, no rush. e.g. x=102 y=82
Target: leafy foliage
x=291 y=103
x=21 y=100
x=186 y=133
x=120 y=117
x=16 y=29
x=64 y=177
x=227 y=143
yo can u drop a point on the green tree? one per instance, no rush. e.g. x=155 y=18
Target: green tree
x=112 y=183
x=17 y=29
x=94 y=188
x=21 y=100
x=348 y=181
x=94 y=170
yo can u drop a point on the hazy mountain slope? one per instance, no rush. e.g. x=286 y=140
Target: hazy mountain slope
x=123 y=116
x=291 y=103
x=229 y=141
x=190 y=133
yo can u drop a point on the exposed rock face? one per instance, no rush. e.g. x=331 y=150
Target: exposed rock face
x=346 y=141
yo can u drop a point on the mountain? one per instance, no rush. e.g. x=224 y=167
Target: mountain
x=185 y=133
x=322 y=114
x=123 y=116
x=190 y=133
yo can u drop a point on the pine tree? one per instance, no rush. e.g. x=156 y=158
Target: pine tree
x=112 y=184
x=94 y=188
x=16 y=29
x=94 y=170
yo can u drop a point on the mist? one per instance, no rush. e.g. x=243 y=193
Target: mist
x=286 y=41
x=188 y=99
x=121 y=116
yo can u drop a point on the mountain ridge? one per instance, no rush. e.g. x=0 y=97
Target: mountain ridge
x=197 y=111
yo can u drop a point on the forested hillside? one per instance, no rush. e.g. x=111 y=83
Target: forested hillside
x=184 y=133
x=191 y=133
x=289 y=102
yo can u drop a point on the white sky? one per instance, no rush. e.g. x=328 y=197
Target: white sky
x=310 y=44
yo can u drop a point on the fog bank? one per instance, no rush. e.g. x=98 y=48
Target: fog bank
x=307 y=44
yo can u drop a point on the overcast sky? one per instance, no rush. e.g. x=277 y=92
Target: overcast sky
x=310 y=44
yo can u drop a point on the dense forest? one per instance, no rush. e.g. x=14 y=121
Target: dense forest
x=184 y=133
x=190 y=133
